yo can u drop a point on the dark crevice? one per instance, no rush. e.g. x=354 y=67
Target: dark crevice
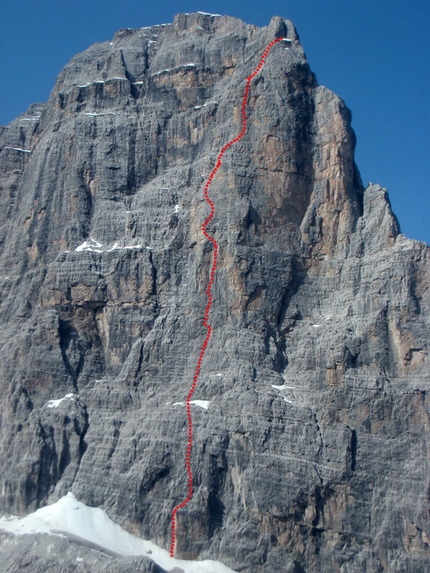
x=116 y=432
x=73 y=350
x=82 y=443
x=65 y=455
x=139 y=366
x=131 y=164
x=298 y=277
x=154 y=276
x=216 y=510
x=47 y=471
x=353 y=450
x=216 y=507
x=149 y=481
x=67 y=333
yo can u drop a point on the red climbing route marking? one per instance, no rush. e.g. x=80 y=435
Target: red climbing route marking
x=209 y=291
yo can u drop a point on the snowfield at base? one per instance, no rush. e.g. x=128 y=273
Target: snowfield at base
x=70 y=516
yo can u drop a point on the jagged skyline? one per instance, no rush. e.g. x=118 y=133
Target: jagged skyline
x=310 y=415
x=370 y=53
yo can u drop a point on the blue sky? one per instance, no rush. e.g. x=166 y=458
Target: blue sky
x=373 y=53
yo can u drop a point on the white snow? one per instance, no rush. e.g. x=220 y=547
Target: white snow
x=190 y=65
x=285 y=40
x=29 y=118
x=90 y=245
x=18 y=149
x=137 y=83
x=161 y=72
x=95 y=247
x=284 y=387
x=202 y=403
x=208 y=14
x=84 y=86
x=94 y=114
x=70 y=517
x=116 y=247
x=177 y=208
x=56 y=403
x=206 y=104
x=316 y=325
x=152 y=42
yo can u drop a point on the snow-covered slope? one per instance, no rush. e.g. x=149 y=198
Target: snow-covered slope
x=74 y=519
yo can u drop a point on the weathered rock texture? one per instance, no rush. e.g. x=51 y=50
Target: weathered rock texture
x=313 y=453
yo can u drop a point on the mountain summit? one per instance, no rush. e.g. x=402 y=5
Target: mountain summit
x=311 y=415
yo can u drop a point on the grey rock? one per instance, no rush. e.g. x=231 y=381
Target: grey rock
x=312 y=455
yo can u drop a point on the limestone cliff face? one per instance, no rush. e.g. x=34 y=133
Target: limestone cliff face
x=313 y=453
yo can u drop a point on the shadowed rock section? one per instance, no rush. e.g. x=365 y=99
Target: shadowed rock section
x=313 y=453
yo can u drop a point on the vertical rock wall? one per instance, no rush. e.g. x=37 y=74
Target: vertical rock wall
x=312 y=454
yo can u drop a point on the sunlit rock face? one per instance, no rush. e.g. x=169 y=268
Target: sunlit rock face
x=312 y=453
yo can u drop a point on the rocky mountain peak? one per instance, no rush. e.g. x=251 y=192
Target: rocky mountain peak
x=316 y=377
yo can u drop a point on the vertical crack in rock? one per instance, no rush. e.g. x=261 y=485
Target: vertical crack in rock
x=72 y=351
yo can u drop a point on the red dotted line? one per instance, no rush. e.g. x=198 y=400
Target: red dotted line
x=209 y=293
